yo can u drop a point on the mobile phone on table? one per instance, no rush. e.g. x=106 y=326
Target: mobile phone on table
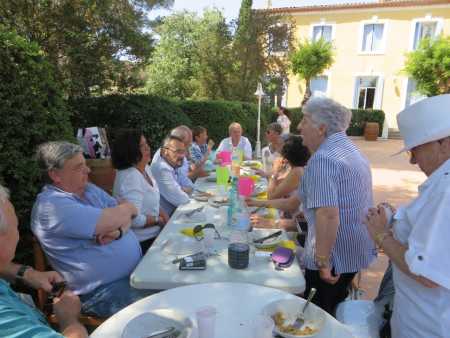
x=198 y=264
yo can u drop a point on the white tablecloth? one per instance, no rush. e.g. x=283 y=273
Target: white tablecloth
x=237 y=305
x=156 y=271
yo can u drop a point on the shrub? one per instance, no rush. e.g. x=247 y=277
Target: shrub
x=155 y=116
x=361 y=116
x=356 y=128
x=32 y=111
x=216 y=116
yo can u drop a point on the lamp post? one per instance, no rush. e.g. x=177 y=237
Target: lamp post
x=260 y=93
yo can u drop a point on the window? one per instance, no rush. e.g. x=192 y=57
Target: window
x=412 y=96
x=319 y=85
x=278 y=39
x=372 y=40
x=424 y=29
x=366 y=91
x=322 y=32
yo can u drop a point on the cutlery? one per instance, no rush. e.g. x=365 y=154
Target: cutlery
x=193 y=211
x=263 y=239
x=300 y=320
x=169 y=332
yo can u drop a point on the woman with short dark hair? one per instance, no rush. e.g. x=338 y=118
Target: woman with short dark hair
x=134 y=182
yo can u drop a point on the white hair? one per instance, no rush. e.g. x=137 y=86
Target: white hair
x=4 y=196
x=326 y=111
x=183 y=132
x=234 y=125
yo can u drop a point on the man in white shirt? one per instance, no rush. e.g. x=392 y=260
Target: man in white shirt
x=418 y=242
x=236 y=140
x=164 y=170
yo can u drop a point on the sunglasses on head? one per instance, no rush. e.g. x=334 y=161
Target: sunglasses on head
x=198 y=231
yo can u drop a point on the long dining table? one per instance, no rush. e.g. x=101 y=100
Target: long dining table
x=158 y=272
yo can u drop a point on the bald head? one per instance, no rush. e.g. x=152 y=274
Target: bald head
x=183 y=132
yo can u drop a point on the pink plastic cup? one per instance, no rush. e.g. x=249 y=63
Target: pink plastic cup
x=225 y=157
x=245 y=186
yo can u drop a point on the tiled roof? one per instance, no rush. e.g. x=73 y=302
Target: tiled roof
x=361 y=5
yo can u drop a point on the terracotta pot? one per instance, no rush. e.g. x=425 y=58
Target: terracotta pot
x=102 y=173
x=371 y=131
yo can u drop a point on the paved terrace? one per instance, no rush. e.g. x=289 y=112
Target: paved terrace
x=394 y=181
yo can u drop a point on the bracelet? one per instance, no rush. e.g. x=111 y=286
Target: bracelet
x=379 y=238
x=322 y=261
x=120 y=234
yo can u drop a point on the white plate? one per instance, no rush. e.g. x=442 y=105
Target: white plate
x=182 y=245
x=315 y=316
x=146 y=323
x=217 y=201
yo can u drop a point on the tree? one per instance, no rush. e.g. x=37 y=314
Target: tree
x=192 y=58
x=310 y=59
x=86 y=40
x=32 y=111
x=429 y=66
x=260 y=46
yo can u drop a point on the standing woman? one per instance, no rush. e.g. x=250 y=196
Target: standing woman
x=284 y=120
x=134 y=182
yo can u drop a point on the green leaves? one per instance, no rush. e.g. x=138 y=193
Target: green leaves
x=429 y=66
x=310 y=59
x=32 y=111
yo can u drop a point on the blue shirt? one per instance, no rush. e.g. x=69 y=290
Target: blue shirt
x=338 y=176
x=65 y=226
x=18 y=319
x=198 y=152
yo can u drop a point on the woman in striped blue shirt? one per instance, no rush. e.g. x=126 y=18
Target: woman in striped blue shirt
x=336 y=192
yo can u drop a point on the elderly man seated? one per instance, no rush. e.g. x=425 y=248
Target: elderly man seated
x=236 y=140
x=84 y=231
x=164 y=170
x=18 y=319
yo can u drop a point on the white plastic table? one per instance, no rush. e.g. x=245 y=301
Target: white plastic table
x=156 y=271
x=237 y=305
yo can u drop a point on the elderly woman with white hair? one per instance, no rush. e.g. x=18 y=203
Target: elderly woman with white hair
x=336 y=192
x=418 y=241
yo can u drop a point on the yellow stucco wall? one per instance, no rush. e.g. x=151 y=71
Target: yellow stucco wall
x=349 y=63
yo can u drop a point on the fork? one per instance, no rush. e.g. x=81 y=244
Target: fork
x=193 y=211
x=300 y=320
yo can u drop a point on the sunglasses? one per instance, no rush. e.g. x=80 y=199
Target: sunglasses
x=198 y=231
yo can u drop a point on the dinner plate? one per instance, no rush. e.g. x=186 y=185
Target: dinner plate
x=315 y=316
x=268 y=242
x=217 y=201
x=148 y=323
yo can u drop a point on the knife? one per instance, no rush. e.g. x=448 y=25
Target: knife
x=165 y=333
x=273 y=235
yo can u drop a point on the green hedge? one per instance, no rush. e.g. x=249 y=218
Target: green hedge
x=32 y=111
x=155 y=116
x=356 y=128
x=217 y=115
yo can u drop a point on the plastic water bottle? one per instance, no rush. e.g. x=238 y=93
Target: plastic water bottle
x=241 y=223
x=232 y=202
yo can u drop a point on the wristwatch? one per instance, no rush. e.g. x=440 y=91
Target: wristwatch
x=21 y=272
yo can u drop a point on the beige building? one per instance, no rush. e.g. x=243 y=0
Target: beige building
x=370 y=42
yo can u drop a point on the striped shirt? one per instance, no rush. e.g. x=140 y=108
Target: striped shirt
x=198 y=152
x=338 y=175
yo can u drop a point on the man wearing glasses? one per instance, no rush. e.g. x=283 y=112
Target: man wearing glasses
x=164 y=170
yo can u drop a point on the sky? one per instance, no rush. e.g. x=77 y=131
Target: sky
x=230 y=8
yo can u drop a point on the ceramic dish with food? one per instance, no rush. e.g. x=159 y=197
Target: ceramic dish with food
x=284 y=311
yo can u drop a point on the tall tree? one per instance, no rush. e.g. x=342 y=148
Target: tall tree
x=192 y=58
x=86 y=40
x=260 y=46
x=429 y=66
x=310 y=59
